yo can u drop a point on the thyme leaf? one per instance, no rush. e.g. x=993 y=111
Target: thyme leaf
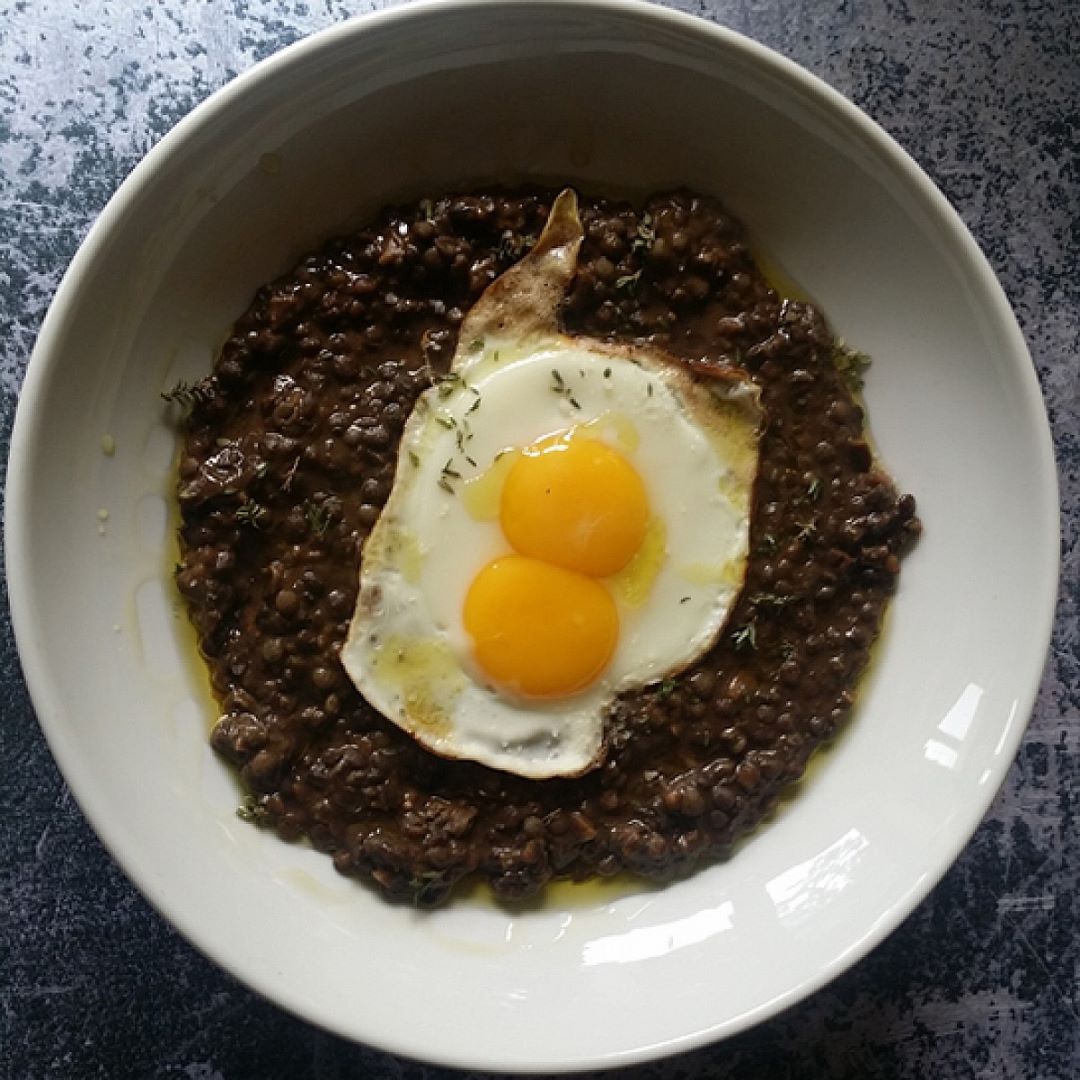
x=558 y=386
x=250 y=810
x=249 y=512
x=645 y=235
x=771 y=600
x=851 y=363
x=745 y=637
x=319 y=518
x=449 y=382
x=667 y=688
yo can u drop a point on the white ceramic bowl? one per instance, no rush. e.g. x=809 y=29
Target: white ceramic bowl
x=431 y=97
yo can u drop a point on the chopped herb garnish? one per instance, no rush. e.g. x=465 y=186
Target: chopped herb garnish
x=813 y=489
x=767 y=544
x=287 y=482
x=414 y=457
x=851 y=364
x=558 y=386
x=190 y=394
x=807 y=529
x=684 y=599
x=445 y=421
x=319 y=518
x=745 y=637
x=773 y=600
x=607 y=373
x=250 y=810
x=628 y=282
x=446 y=485
x=511 y=246
x=645 y=235
x=251 y=513
x=667 y=688
x=428 y=886
x=448 y=383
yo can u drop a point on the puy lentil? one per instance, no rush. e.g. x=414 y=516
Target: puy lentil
x=301 y=423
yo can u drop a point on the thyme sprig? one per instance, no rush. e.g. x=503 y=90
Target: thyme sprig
x=188 y=394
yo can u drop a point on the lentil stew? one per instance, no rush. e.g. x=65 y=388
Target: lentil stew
x=289 y=453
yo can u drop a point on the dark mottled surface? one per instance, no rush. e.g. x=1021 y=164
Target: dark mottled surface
x=983 y=979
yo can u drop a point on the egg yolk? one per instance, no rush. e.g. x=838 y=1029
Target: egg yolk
x=577 y=503
x=539 y=630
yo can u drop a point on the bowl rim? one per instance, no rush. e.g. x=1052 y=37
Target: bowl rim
x=45 y=356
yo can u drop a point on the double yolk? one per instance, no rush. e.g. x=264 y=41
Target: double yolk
x=542 y=623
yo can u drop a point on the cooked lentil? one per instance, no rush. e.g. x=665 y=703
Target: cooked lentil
x=289 y=455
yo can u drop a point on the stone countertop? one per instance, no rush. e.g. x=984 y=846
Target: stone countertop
x=983 y=979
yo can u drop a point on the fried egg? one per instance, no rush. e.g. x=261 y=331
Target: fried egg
x=569 y=519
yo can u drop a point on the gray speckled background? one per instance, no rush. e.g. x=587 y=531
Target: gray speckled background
x=982 y=980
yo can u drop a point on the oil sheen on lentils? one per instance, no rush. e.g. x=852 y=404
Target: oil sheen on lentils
x=289 y=454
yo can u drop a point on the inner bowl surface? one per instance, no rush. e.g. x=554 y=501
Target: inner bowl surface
x=615 y=97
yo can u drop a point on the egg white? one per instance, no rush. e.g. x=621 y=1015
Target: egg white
x=693 y=446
